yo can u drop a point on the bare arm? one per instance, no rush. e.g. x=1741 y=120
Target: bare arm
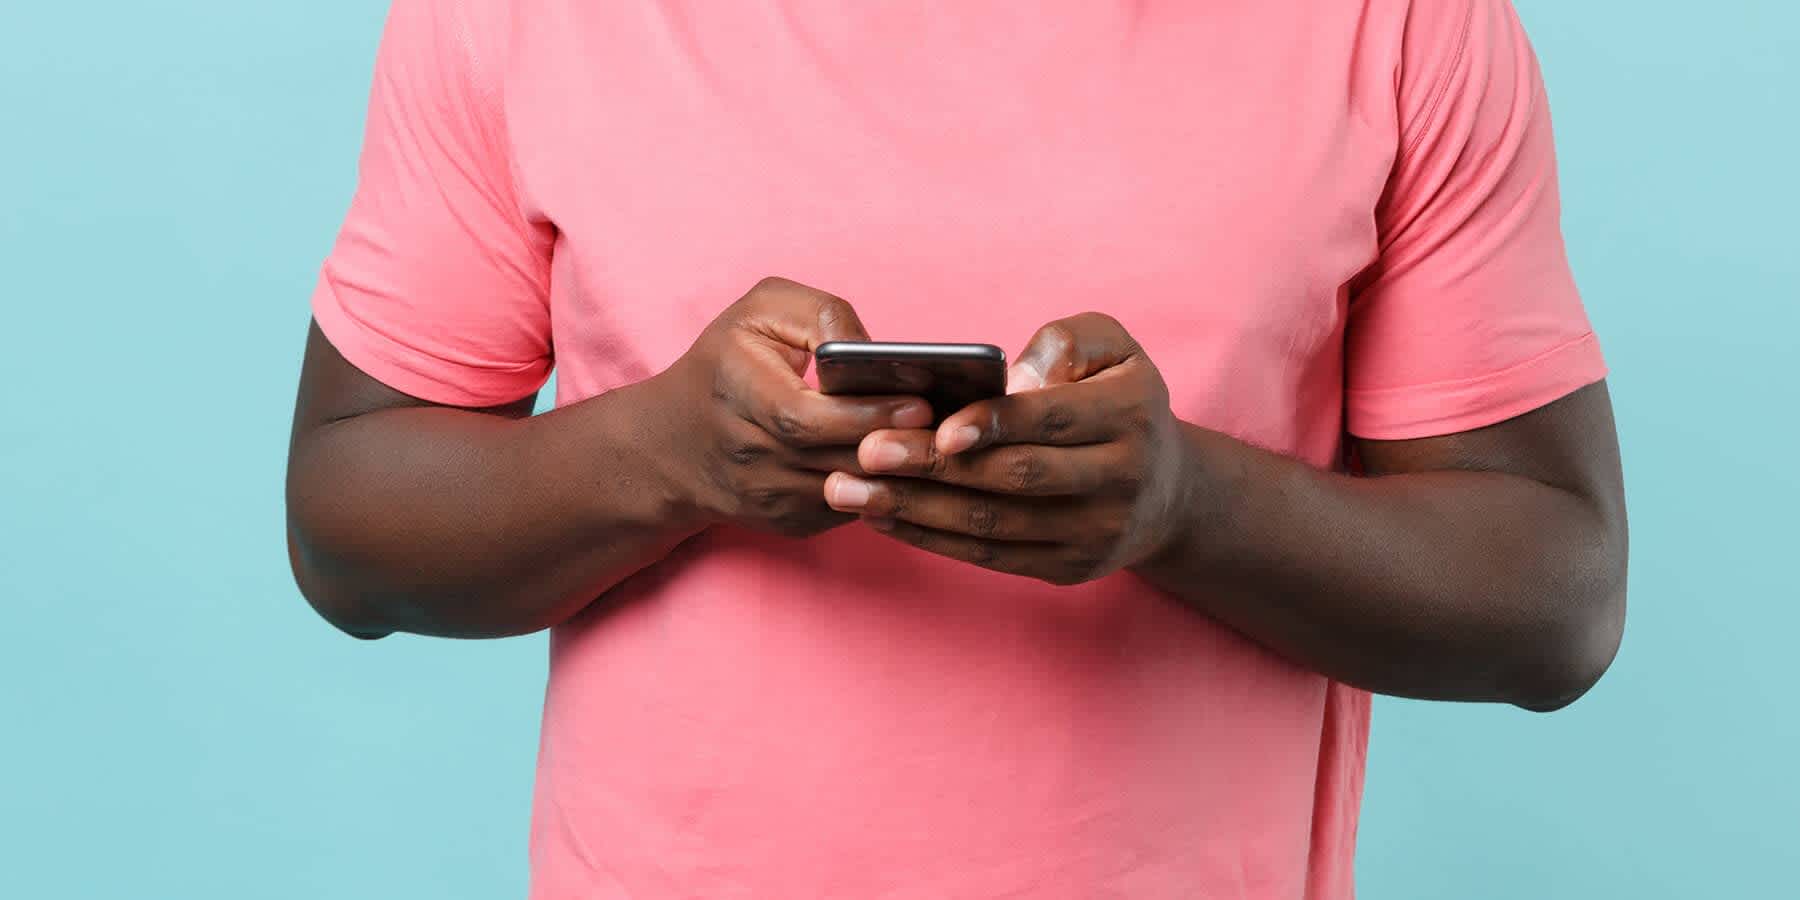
x=1487 y=565
x=409 y=516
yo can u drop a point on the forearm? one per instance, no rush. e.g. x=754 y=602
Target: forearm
x=447 y=522
x=1444 y=585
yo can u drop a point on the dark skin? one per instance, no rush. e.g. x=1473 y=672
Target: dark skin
x=1487 y=565
x=409 y=516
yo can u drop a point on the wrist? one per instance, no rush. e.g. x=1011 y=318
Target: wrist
x=628 y=450
x=1208 y=483
x=670 y=449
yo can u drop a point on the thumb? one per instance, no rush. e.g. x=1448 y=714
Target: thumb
x=801 y=317
x=1069 y=350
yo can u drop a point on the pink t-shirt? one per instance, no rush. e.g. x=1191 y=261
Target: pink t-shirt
x=1318 y=218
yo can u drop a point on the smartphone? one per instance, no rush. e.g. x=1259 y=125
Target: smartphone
x=948 y=376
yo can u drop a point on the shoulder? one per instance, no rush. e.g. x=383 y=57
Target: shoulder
x=1435 y=53
x=475 y=33
x=1438 y=29
x=1410 y=41
x=455 y=50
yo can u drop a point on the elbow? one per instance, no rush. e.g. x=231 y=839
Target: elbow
x=1573 y=629
x=335 y=607
x=341 y=608
x=365 y=610
x=1571 y=649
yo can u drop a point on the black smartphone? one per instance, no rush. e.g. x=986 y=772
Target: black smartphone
x=948 y=376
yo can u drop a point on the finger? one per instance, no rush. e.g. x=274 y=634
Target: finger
x=1089 y=412
x=777 y=401
x=788 y=503
x=950 y=508
x=1032 y=470
x=1045 y=562
x=1068 y=350
x=808 y=418
x=798 y=316
x=824 y=460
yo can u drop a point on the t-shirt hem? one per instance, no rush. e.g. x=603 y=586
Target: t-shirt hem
x=411 y=372
x=1404 y=413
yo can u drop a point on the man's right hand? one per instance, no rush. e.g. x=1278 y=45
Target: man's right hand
x=745 y=439
x=409 y=515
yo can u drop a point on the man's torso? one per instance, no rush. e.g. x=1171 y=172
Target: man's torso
x=755 y=716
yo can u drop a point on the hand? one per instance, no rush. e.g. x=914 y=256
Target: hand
x=1079 y=471
x=743 y=438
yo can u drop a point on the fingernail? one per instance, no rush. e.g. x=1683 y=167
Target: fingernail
x=959 y=439
x=912 y=415
x=1022 y=377
x=886 y=454
x=848 y=492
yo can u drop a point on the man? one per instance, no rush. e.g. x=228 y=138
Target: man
x=1306 y=407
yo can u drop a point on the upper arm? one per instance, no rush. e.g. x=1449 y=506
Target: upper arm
x=1468 y=347
x=1570 y=444
x=332 y=389
x=1470 y=315
x=436 y=291
x=438 y=284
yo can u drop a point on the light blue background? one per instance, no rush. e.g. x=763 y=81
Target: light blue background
x=175 y=723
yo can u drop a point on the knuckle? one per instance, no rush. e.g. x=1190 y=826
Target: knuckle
x=1055 y=422
x=996 y=416
x=787 y=424
x=831 y=306
x=1128 y=479
x=1058 y=336
x=768 y=503
x=771 y=283
x=1025 y=471
x=1105 y=323
x=1099 y=319
x=1158 y=389
x=742 y=452
x=719 y=478
x=981 y=553
x=1114 y=520
x=1138 y=420
x=983 y=519
x=936 y=464
x=720 y=389
x=834 y=312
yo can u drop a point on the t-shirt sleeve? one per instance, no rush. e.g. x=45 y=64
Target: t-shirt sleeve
x=438 y=282
x=1470 y=315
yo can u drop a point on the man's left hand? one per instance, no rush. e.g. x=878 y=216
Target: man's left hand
x=1079 y=471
